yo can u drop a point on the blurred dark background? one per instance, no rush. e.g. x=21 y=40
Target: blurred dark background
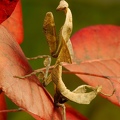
x=85 y=13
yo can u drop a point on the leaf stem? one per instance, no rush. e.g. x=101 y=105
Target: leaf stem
x=13 y=110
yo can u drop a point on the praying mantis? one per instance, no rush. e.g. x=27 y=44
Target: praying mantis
x=61 y=49
x=64 y=53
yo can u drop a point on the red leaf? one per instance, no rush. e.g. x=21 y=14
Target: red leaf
x=27 y=93
x=6 y=8
x=3 y=116
x=14 y=23
x=97 y=51
x=72 y=114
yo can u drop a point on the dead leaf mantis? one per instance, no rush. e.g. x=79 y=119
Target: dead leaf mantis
x=64 y=53
x=61 y=48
